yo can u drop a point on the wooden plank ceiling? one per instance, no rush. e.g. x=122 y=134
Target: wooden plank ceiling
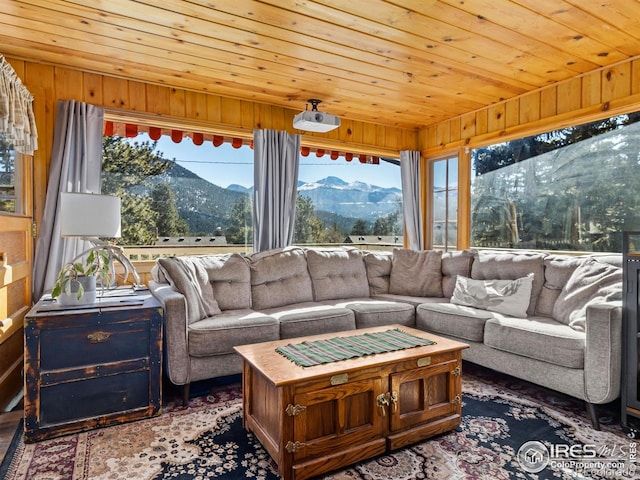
x=405 y=63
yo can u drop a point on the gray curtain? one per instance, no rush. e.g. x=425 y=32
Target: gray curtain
x=412 y=211
x=76 y=163
x=275 y=182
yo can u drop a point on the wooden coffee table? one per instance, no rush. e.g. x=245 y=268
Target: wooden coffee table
x=316 y=419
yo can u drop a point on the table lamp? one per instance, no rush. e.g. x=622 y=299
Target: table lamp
x=92 y=216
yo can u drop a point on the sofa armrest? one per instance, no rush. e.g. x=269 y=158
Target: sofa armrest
x=176 y=353
x=603 y=351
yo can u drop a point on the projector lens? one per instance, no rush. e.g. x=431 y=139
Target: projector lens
x=319 y=117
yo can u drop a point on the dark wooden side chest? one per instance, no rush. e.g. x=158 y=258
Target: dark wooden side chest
x=92 y=366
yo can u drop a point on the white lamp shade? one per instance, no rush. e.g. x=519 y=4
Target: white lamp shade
x=89 y=215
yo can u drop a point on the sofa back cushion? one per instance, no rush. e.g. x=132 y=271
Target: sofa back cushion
x=337 y=273
x=416 y=273
x=189 y=276
x=378 y=265
x=454 y=264
x=557 y=271
x=230 y=279
x=591 y=282
x=493 y=265
x=279 y=277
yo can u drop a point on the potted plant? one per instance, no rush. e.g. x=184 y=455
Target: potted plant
x=77 y=280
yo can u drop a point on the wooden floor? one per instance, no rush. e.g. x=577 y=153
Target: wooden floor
x=8 y=424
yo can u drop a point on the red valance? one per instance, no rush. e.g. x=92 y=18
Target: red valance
x=131 y=131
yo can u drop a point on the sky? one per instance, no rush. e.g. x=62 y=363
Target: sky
x=225 y=165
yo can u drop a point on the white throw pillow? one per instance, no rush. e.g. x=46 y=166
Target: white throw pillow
x=509 y=297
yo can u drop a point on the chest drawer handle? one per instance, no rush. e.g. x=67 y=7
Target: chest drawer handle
x=98 y=337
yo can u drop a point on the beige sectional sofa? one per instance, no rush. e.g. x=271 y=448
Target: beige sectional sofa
x=550 y=319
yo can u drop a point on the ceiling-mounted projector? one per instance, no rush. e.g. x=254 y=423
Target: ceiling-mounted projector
x=314 y=120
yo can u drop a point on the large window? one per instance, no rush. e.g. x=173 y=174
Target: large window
x=202 y=195
x=572 y=189
x=444 y=202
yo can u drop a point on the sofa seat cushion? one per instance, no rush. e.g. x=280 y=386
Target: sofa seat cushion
x=218 y=335
x=415 y=301
x=311 y=318
x=374 y=313
x=541 y=338
x=455 y=320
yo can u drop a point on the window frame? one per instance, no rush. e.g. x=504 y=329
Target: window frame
x=429 y=215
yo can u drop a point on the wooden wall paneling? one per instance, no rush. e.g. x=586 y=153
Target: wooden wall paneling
x=496 y=118
x=177 y=103
x=548 y=102
x=280 y=118
x=430 y=137
x=196 y=105
x=468 y=125
x=247 y=115
x=369 y=134
x=616 y=82
x=158 y=99
x=345 y=131
x=262 y=114
x=137 y=97
x=591 y=89
x=381 y=133
x=455 y=129
x=443 y=134
x=39 y=79
x=93 y=90
x=482 y=122
x=230 y=113
x=410 y=140
x=69 y=83
x=530 y=107
x=512 y=112
x=569 y=96
x=214 y=109
x=635 y=77
x=356 y=133
x=115 y=93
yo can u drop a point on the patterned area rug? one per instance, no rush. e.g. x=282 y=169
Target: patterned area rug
x=207 y=440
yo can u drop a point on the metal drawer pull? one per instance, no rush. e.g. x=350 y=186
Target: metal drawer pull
x=98 y=337
x=293 y=447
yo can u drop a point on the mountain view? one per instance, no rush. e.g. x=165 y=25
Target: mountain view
x=205 y=205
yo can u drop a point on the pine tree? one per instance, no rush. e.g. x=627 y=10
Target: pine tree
x=240 y=222
x=360 y=227
x=126 y=170
x=308 y=228
x=168 y=221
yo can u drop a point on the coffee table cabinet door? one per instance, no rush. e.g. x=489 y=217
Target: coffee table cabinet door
x=425 y=395
x=336 y=418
